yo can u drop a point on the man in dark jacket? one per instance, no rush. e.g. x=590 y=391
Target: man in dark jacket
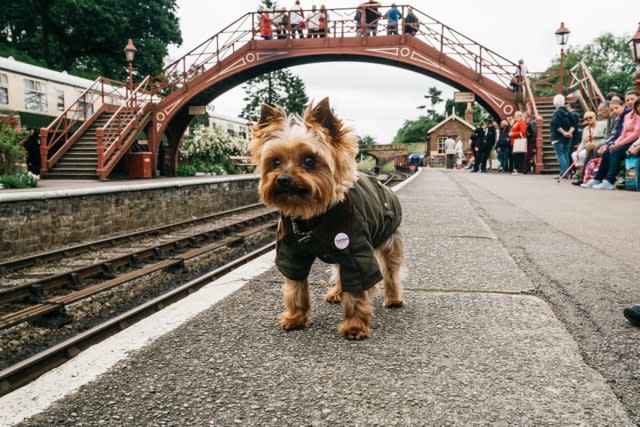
x=532 y=134
x=489 y=143
x=561 y=132
x=477 y=145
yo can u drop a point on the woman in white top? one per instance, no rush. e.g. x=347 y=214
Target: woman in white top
x=580 y=154
x=296 y=19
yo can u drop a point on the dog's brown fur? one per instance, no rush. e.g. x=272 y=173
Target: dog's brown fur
x=316 y=157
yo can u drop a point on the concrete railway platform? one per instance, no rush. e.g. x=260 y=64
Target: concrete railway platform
x=515 y=288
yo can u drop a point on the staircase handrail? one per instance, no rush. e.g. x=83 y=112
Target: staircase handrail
x=111 y=136
x=530 y=102
x=434 y=33
x=582 y=79
x=62 y=133
x=529 y=99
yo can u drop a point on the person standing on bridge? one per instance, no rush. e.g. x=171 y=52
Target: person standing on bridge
x=296 y=18
x=313 y=23
x=411 y=22
x=266 y=26
x=392 y=16
x=281 y=22
x=371 y=16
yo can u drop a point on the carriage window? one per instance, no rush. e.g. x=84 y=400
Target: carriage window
x=60 y=100
x=35 y=95
x=83 y=109
x=4 y=89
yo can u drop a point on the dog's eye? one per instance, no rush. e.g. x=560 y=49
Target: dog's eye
x=277 y=162
x=309 y=162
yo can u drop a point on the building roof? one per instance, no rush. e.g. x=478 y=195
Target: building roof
x=451 y=117
x=12 y=65
x=229 y=118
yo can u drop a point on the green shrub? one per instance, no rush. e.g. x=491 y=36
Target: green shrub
x=186 y=170
x=209 y=148
x=19 y=180
x=12 y=151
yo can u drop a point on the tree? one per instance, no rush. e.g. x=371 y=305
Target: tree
x=367 y=140
x=608 y=59
x=86 y=38
x=280 y=87
x=414 y=130
x=434 y=98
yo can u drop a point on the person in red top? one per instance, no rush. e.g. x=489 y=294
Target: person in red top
x=518 y=130
x=266 y=30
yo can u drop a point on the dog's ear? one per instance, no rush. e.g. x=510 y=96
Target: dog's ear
x=269 y=115
x=271 y=120
x=322 y=115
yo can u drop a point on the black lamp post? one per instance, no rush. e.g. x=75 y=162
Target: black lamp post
x=130 y=54
x=635 y=51
x=562 y=37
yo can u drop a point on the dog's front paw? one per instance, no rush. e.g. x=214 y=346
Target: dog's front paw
x=334 y=296
x=394 y=303
x=353 y=331
x=291 y=321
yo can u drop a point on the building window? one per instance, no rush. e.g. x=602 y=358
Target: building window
x=60 y=100
x=441 y=148
x=84 y=109
x=4 y=89
x=35 y=95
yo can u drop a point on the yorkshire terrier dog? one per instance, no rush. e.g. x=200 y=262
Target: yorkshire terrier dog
x=308 y=171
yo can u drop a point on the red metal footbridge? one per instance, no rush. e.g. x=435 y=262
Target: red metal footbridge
x=100 y=127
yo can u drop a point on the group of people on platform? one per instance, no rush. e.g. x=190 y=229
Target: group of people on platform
x=514 y=143
x=592 y=150
x=314 y=23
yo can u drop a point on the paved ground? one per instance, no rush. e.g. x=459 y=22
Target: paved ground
x=515 y=288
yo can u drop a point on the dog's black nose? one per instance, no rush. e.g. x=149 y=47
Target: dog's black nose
x=284 y=181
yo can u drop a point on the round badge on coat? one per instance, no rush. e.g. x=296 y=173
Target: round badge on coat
x=341 y=241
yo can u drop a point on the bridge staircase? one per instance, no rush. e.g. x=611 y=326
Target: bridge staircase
x=584 y=94
x=81 y=159
x=89 y=138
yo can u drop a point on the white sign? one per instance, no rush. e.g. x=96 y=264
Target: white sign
x=197 y=110
x=464 y=97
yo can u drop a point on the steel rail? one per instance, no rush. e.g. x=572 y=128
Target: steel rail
x=45 y=257
x=35 y=290
x=29 y=369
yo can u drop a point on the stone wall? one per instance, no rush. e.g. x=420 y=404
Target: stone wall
x=47 y=222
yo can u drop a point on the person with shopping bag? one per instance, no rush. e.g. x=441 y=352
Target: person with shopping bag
x=518 y=142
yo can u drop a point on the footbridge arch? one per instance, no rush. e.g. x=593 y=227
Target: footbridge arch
x=160 y=105
x=237 y=54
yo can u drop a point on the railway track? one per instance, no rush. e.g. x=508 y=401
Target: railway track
x=78 y=293
x=31 y=368
x=58 y=303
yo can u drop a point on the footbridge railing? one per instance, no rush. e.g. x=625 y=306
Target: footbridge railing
x=65 y=130
x=341 y=24
x=118 y=134
x=585 y=85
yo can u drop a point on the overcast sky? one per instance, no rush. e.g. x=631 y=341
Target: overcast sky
x=376 y=99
